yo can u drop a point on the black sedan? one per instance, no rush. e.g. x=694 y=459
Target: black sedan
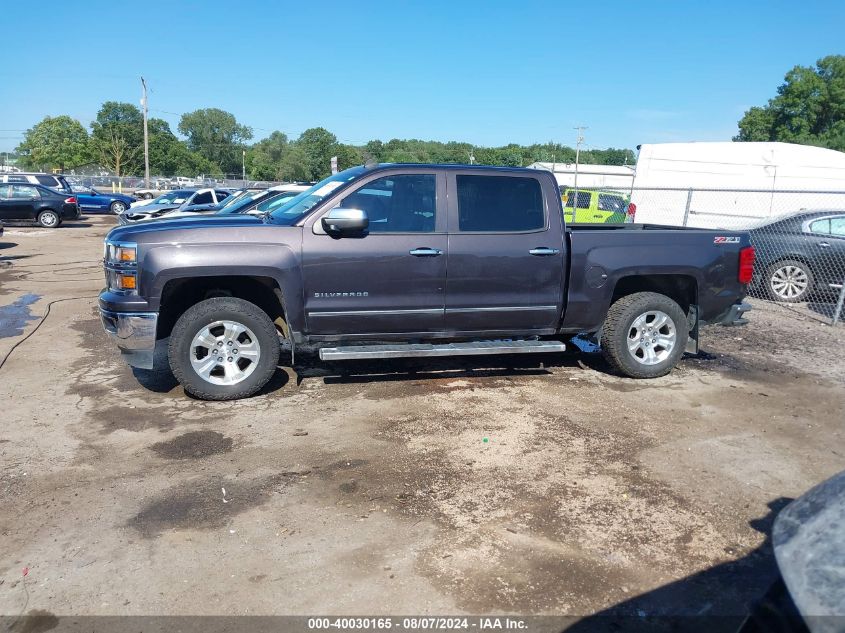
x=800 y=254
x=47 y=207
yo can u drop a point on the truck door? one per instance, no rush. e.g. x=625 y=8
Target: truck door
x=506 y=254
x=392 y=278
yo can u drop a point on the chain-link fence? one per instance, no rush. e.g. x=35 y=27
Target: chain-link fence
x=129 y=184
x=799 y=236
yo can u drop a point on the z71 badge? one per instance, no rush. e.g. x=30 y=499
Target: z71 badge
x=725 y=239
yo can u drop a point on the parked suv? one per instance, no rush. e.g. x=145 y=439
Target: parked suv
x=48 y=207
x=54 y=181
x=597 y=207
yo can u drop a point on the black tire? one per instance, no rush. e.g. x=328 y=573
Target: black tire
x=49 y=219
x=117 y=207
x=620 y=325
x=786 y=291
x=207 y=312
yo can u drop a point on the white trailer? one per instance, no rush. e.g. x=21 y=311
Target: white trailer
x=734 y=185
x=608 y=177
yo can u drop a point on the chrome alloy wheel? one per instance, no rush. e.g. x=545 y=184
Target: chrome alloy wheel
x=652 y=337
x=224 y=353
x=789 y=282
x=48 y=219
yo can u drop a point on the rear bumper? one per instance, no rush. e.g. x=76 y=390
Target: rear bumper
x=734 y=316
x=71 y=212
x=134 y=333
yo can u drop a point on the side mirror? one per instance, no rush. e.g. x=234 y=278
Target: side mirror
x=343 y=221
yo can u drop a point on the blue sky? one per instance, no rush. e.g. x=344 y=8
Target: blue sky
x=485 y=72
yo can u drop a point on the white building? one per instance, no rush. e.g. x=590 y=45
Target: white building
x=612 y=177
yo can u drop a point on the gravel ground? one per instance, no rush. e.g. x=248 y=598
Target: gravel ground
x=490 y=485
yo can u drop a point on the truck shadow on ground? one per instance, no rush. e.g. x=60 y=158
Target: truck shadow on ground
x=716 y=599
x=308 y=366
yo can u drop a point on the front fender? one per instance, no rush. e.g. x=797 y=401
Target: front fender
x=280 y=262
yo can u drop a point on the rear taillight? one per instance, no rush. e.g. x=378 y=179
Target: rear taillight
x=70 y=200
x=630 y=212
x=746 y=265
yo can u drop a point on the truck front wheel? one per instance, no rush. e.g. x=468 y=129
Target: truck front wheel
x=644 y=335
x=223 y=348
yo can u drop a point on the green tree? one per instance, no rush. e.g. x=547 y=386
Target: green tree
x=54 y=143
x=217 y=136
x=171 y=157
x=348 y=156
x=374 y=150
x=117 y=137
x=264 y=159
x=294 y=166
x=318 y=146
x=809 y=108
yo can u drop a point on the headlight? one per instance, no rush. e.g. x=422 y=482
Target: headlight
x=122 y=253
x=120 y=261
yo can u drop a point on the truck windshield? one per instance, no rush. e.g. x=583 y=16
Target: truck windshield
x=298 y=206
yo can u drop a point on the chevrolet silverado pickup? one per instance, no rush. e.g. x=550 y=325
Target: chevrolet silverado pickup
x=391 y=261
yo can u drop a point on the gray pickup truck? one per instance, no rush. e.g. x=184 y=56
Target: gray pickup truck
x=392 y=261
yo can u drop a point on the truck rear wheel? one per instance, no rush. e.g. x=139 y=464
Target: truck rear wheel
x=223 y=349
x=644 y=335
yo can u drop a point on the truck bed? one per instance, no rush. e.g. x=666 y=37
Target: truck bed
x=705 y=262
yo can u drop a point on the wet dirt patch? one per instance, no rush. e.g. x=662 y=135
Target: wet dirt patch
x=522 y=573
x=193 y=445
x=205 y=504
x=36 y=621
x=135 y=419
x=341 y=465
x=14 y=317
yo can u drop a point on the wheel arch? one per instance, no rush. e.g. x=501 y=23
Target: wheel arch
x=798 y=257
x=180 y=293
x=683 y=289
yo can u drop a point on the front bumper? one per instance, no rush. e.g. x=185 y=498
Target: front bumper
x=734 y=315
x=134 y=333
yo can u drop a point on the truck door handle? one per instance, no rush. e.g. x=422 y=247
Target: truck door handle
x=824 y=245
x=426 y=252
x=543 y=251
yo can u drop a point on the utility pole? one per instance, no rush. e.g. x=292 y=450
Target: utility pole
x=471 y=157
x=243 y=166
x=579 y=138
x=146 y=136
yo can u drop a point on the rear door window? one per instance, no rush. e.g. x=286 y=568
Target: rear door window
x=837 y=226
x=821 y=226
x=24 y=192
x=500 y=204
x=583 y=199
